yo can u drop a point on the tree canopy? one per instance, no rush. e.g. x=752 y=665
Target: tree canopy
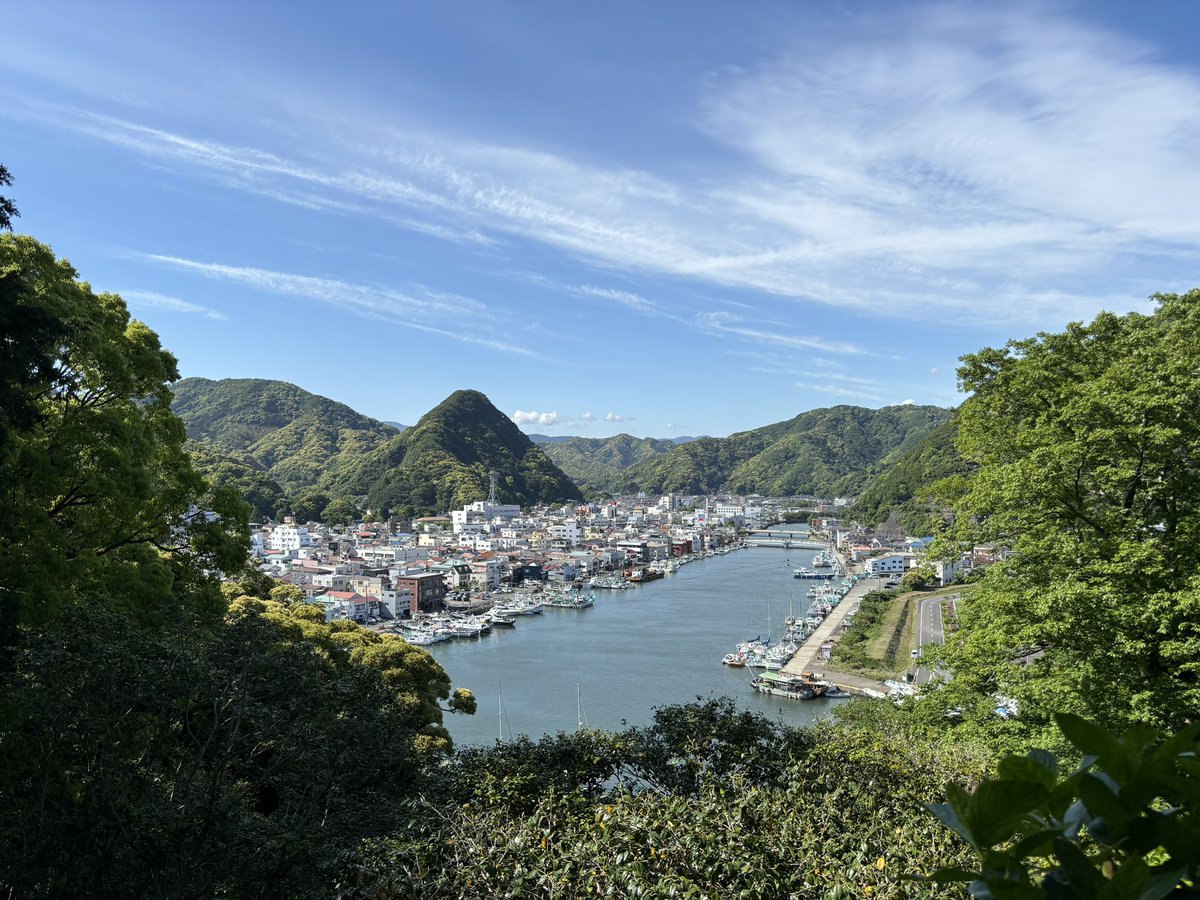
x=98 y=494
x=1088 y=447
x=8 y=209
x=161 y=734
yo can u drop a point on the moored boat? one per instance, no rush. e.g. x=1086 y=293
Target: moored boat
x=792 y=687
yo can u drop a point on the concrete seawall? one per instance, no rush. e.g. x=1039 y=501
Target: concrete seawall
x=808 y=657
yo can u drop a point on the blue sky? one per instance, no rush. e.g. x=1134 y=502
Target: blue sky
x=659 y=218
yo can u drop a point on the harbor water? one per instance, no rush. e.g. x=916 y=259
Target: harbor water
x=658 y=644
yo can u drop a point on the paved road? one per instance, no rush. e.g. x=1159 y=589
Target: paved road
x=929 y=633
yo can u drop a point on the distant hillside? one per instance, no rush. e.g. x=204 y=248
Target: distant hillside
x=265 y=435
x=296 y=437
x=896 y=493
x=601 y=463
x=443 y=462
x=266 y=496
x=395 y=425
x=823 y=452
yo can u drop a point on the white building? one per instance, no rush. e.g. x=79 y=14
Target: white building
x=568 y=532
x=892 y=564
x=484 y=512
x=290 y=538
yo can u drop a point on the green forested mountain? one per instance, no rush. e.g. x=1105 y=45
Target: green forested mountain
x=310 y=445
x=294 y=436
x=899 y=490
x=266 y=496
x=601 y=463
x=443 y=461
x=315 y=447
x=823 y=451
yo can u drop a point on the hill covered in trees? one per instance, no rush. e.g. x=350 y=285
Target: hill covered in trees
x=257 y=434
x=444 y=461
x=603 y=463
x=901 y=493
x=824 y=452
x=294 y=436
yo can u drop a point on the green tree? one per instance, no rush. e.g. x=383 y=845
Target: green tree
x=307 y=507
x=99 y=495
x=341 y=511
x=1122 y=826
x=1088 y=447
x=241 y=762
x=917 y=579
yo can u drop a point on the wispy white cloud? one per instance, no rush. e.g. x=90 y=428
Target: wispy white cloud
x=161 y=302
x=403 y=309
x=588 y=417
x=728 y=323
x=617 y=417
x=625 y=298
x=839 y=390
x=954 y=164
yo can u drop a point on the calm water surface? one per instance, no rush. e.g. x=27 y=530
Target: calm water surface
x=658 y=644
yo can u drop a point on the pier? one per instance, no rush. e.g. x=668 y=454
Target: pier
x=808 y=657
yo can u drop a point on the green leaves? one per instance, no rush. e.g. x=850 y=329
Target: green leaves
x=97 y=495
x=1088 y=454
x=1122 y=826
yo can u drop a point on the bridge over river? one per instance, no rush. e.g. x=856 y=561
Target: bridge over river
x=788 y=540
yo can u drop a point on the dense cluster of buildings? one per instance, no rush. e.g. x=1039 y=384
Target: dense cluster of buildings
x=397 y=568
x=394 y=569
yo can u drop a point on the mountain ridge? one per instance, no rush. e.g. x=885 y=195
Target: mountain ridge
x=306 y=443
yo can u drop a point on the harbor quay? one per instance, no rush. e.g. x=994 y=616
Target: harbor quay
x=809 y=659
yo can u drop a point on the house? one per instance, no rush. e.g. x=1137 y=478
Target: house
x=348 y=605
x=425 y=591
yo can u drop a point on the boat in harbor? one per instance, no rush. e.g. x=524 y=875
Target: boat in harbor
x=569 y=601
x=808 y=573
x=793 y=687
x=637 y=576
x=610 y=582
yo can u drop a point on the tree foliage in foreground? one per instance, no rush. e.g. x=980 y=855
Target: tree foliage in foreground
x=1121 y=826
x=706 y=802
x=1088 y=447
x=154 y=740
x=242 y=761
x=96 y=490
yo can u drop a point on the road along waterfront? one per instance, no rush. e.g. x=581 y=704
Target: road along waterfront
x=612 y=664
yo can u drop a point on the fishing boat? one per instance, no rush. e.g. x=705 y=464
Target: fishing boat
x=806 y=573
x=793 y=687
x=570 y=601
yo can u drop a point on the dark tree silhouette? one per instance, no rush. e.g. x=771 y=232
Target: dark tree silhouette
x=8 y=209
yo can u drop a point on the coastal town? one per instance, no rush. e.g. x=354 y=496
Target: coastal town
x=487 y=564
